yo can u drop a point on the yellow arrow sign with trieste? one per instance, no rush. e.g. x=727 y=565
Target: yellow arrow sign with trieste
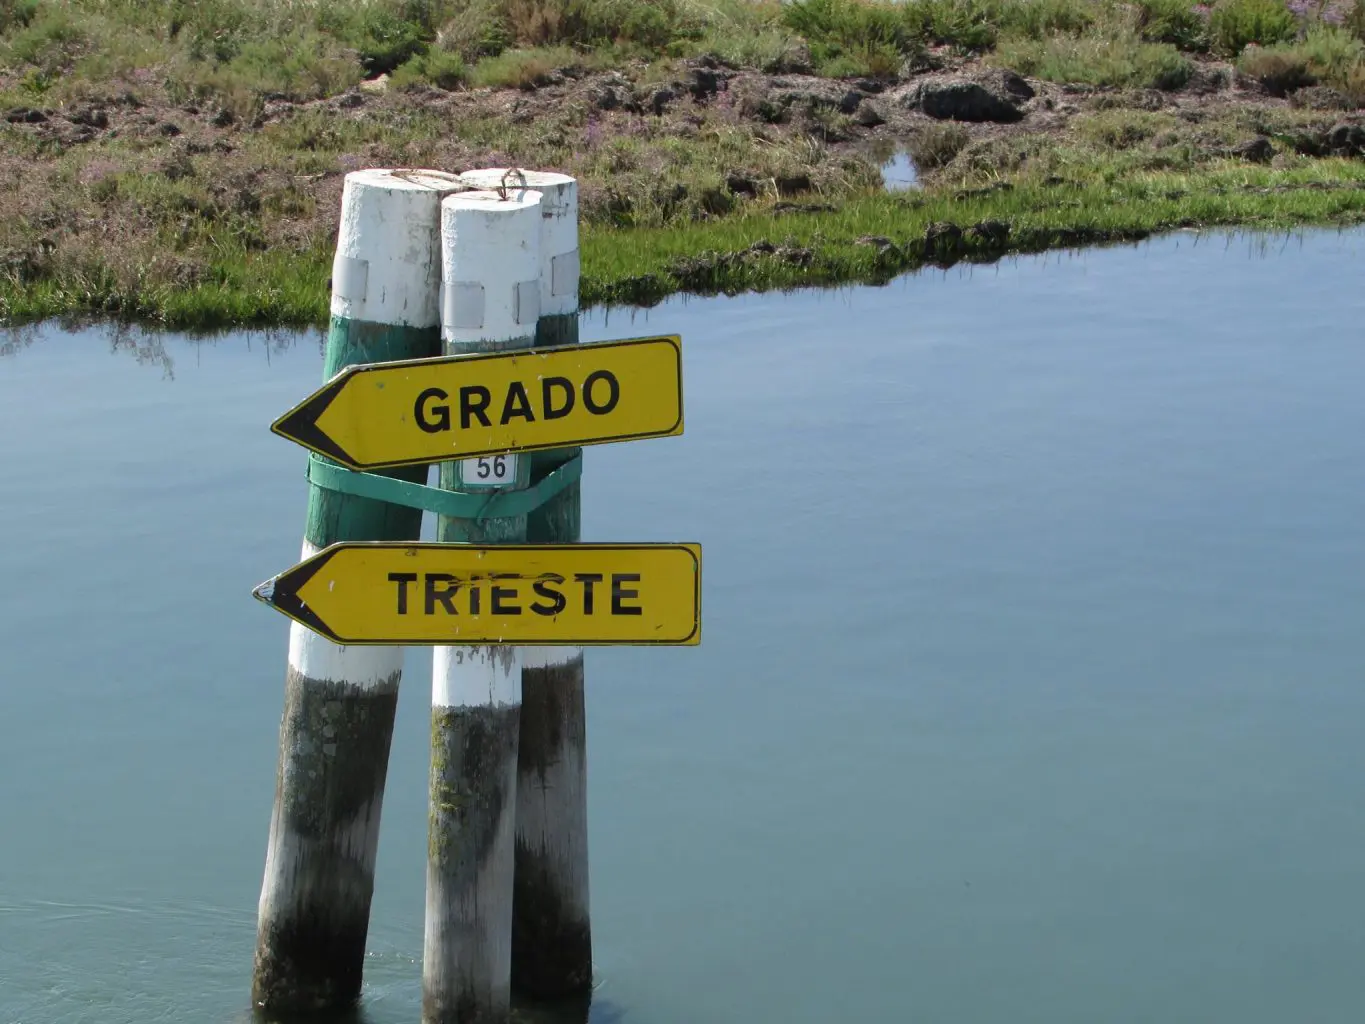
x=393 y=592
x=376 y=415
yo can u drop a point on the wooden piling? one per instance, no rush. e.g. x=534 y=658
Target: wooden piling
x=340 y=701
x=551 y=930
x=491 y=301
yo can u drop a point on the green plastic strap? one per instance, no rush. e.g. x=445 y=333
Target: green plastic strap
x=496 y=504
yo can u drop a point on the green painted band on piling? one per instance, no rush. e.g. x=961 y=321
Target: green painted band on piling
x=486 y=503
x=336 y=516
x=556 y=521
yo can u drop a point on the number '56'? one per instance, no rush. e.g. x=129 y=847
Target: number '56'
x=495 y=467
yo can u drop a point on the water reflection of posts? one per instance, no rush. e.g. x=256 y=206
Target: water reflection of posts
x=490 y=301
x=340 y=701
x=551 y=925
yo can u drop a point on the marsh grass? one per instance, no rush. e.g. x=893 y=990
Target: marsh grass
x=1121 y=60
x=756 y=250
x=1176 y=22
x=524 y=69
x=936 y=145
x=644 y=266
x=239 y=53
x=1235 y=24
x=1326 y=55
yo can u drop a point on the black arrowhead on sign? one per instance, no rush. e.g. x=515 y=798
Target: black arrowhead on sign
x=282 y=593
x=300 y=424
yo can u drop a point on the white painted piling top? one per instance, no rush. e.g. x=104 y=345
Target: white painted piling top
x=554 y=184
x=406 y=179
x=387 y=267
x=490 y=266
x=559 y=260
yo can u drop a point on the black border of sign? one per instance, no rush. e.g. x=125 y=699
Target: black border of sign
x=283 y=593
x=299 y=424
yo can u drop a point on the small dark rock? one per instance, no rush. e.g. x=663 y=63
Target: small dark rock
x=660 y=99
x=612 y=97
x=90 y=117
x=793 y=184
x=1010 y=82
x=993 y=232
x=1257 y=151
x=868 y=115
x=794 y=254
x=25 y=115
x=741 y=184
x=994 y=96
x=351 y=100
x=1346 y=140
x=703 y=82
x=849 y=101
x=771 y=112
x=1309 y=143
x=942 y=233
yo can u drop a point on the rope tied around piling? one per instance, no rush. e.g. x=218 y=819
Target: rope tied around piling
x=502 y=185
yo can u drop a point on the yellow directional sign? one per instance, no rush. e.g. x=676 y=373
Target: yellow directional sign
x=405 y=413
x=392 y=592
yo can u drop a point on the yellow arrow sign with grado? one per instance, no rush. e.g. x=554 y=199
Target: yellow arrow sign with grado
x=388 y=592
x=377 y=415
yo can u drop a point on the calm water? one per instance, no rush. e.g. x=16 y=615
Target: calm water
x=899 y=173
x=1030 y=688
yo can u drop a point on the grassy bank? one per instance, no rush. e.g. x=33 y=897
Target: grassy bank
x=182 y=161
x=867 y=240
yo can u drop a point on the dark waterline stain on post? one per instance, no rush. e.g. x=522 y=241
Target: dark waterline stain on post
x=551 y=937
x=310 y=951
x=473 y=779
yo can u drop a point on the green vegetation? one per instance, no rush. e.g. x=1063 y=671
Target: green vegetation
x=235 y=53
x=1234 y=24
x=873 y=239
x=869 y=239
x=1176 y=22
x=1119 y=60
x=1326 y=55
x=182 y=159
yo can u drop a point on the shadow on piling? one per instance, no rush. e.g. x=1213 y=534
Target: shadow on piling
x=586 y=1010
x=356 y=1015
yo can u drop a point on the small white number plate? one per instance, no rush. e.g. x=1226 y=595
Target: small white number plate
x=488 y=471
